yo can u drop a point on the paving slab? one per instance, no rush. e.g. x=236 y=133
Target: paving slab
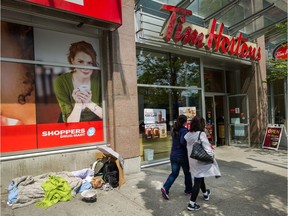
x=253 y=182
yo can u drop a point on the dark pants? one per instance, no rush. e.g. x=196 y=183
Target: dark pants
x=198 y=183
x=176 y=164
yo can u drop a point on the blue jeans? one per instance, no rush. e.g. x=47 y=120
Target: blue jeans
x=176 y=164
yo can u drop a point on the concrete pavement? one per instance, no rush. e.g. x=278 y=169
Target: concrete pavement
x=253 y=182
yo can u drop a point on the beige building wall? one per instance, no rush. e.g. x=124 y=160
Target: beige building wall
x=121 y=95
x=257 y=93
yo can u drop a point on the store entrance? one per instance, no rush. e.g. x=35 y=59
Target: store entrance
x=215 y=119
x=239 y=126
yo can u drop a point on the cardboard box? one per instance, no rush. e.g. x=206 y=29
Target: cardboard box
x=108 y=152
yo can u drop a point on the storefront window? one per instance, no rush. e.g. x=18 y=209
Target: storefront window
x=277 y=102
x=168 y=85
x=50 y=89
x=214 y=80
x=243 y=77
x=167 y=70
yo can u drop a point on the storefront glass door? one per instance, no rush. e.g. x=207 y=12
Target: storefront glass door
x=215 y=119
x=239 y=127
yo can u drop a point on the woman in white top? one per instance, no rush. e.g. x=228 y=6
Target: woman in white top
x=199 y=169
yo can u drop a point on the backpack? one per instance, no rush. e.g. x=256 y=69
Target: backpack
x=111 y=173
x=98 y=165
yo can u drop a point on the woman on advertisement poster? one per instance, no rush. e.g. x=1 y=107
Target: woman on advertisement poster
x=78 y=92
x=17 y=79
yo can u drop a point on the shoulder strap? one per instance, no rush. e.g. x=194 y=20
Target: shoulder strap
x=199 y=135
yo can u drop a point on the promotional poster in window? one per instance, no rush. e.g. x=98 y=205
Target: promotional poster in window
x=50 y=89
x=155 y=123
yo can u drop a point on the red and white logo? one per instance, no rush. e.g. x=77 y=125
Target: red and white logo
x=281 y=52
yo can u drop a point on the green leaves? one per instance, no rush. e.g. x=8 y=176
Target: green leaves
x=277 y=70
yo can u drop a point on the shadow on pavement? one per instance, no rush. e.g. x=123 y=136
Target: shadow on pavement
x=240 y=191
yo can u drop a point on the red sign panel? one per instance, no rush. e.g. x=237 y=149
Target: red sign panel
x=63 y=134
x=281 y=52
x=18 y=138
x=108 y=10
x=27 y=137
x=272 y=137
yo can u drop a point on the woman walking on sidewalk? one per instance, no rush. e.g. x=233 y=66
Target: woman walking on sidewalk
x=178 y=158
x=199 y=169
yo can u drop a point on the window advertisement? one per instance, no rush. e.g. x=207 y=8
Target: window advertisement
x=63 y=99
x=155 y=123
x=18 y=111
x=190 y=112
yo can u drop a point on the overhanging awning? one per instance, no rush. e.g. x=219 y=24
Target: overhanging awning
x=103 y=14
x=253 y=18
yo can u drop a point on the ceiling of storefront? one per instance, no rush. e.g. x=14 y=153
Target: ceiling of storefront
x=254 y=18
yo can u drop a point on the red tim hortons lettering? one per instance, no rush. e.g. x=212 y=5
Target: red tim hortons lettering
x=187 y=35
x=172 y=20
x=173 y=29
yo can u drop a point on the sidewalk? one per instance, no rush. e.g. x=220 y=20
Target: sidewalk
x=253 y=182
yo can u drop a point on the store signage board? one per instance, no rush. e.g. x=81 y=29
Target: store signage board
x=212 y=39
x=281 y=52
x=108 y=10
x=275 y=135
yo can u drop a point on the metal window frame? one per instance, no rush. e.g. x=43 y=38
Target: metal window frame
x=185 y=3
x=221 y=12
x=234 y=28
x=266 y=29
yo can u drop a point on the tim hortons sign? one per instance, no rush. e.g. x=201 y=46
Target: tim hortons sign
x=212 y=39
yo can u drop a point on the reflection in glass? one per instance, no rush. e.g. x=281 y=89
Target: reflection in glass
x=174 y=86
x=214 y=80
x=170 y=100
x=163 y=69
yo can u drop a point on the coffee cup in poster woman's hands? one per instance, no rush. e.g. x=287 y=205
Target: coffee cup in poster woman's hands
x=84 y=88
x=85 y=96
x=76 y=95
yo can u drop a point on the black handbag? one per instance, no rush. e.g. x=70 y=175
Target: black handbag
x=198 y=152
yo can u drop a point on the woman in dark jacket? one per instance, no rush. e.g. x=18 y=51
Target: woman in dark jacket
x=178 y=157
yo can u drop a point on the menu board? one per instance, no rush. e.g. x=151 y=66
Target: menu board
x=273 y=136
x=190 y=112
x=155 y=123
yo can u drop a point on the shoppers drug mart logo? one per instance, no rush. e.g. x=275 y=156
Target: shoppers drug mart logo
x=66 y=133
x=91 y=131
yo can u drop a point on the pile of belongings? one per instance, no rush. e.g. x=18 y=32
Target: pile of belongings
x=47 y=189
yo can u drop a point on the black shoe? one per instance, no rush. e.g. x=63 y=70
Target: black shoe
x=207 y=197
x=195 y=207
